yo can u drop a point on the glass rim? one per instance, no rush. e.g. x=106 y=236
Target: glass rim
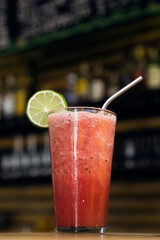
x=82 y=107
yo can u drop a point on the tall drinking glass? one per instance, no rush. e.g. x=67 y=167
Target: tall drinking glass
x=81 y=146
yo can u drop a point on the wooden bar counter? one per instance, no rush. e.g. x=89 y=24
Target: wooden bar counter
x=79 y=236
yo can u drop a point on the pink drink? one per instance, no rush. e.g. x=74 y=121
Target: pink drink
x=81 y=145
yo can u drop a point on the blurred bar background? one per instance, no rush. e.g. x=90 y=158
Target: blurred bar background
x=86 y=50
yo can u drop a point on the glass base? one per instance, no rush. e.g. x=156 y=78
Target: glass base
x=81 y=229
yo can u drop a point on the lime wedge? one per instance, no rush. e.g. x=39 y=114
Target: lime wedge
x=41 y=103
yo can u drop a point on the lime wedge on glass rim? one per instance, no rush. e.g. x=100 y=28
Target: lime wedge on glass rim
x=41 y=103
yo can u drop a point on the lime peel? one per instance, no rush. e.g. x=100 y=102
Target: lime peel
x=41 y=103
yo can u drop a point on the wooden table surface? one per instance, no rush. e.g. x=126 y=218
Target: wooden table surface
x=79 y=236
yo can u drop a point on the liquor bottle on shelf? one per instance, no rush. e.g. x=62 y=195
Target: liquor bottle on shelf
x=70 y=93
x=143 y=146
x=15 y=157
x=97 y=84
x=21 y=93
x=153 y=69
x=5 y=165
x=82 y=88
x=25 y=159
x=113 y=82
x=35 y=160
x=129 y=154
x=139 y=63
x=9 y=100
x=45 y=156
x=125 y=71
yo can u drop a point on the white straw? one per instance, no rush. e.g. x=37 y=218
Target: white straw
x=109 y=100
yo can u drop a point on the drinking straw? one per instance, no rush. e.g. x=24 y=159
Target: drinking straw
x=117 y=94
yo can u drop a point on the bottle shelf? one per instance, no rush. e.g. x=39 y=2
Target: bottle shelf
x=136 y=152
x=135 y=110
x=138 y=114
